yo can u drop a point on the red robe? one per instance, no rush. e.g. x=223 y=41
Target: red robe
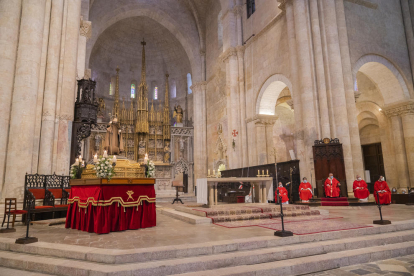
x=360 y=189
x=282 y=193
x=385 y=197
x=331 y=188
x=305 y=191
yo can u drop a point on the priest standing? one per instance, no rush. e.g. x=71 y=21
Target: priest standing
x=360 y=189
x=282 y=193
x=305 y=190
x=332 y=187
x=383 y=190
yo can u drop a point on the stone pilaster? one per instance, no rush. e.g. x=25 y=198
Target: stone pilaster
x=263 y=132
x=242 y=106
x=9 y=33
x=23 y=108
x=200 y=129
x=85 y=34
x=51 y=87
x=67 y=98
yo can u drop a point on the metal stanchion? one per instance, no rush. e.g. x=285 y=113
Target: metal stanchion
x=381 y=221
x=282 y=233
x=27 y=239
x=7 y=229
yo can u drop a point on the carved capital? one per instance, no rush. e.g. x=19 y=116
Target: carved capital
x=406 y=107
x=86 y=28
x=199 y=85
x=260 y=119
x=231 y=52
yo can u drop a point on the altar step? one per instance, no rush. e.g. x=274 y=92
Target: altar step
x=252 y=256
x=335 y=202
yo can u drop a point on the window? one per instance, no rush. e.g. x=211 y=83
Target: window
x=355 y=85
x=251 y=7
x=189 y=83
x=133 y=90
x=156 y=93
x=111 y=91
x=220 y=31
x=173 y=89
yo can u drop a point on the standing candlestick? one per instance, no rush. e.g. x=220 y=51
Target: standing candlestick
x=267 y=172
x=209 y=172
x=95 y=158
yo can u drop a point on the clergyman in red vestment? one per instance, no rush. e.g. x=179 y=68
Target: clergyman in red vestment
x=383 y=190
x=360 y=189
x=305 y=190
x=332 y=187
x=282 y=193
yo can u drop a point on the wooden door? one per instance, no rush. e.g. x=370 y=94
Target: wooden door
x=328 y=158
x=374 y=163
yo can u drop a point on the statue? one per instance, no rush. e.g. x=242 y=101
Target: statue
x=113 y=139
x=178 y=114
x=101 y=107
x=181 y=144
x=141 y=146
x=167 y=152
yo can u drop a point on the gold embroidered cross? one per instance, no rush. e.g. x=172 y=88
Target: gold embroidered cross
x=130 y=193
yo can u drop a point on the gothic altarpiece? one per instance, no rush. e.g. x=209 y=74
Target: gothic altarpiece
x=145 y=130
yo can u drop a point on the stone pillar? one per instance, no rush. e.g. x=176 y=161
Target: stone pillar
x=243 y=127
x=306 y=85
x=320 y=70
x=50 y=94
x=399 y=149
x=408 y=33
x=357 y=160
x=200 y=130
x=261 y=142
x=23 y=107
x=297 y=101
x=9 y=33
x=408 y=126
x=67 y=99
x=337 y=87
x=41 y=88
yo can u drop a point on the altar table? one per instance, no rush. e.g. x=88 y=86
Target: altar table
x=102 y=206
x=207 y=188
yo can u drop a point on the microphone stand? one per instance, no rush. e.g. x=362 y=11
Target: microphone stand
x=381 y=221
x=282 y=233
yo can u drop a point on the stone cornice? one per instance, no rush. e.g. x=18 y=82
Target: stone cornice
x=197 y=85
x=232 y=51
x=406 y=107
x=364 y=3
x=263 y=119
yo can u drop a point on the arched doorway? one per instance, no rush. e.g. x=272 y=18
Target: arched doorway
x=379 y=86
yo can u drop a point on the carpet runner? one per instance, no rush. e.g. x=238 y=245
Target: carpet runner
x=334 y=201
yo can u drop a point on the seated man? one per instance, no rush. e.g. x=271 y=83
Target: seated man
x=383 y=190
x=282 y=194
x=332 y=187
x=360 y=189
x=305 y=190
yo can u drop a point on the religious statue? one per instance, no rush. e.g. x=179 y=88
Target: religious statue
x=167 y=152
x=141 y=146
x=113 y=139
x=181 y=148
x=178 y=114
x=101 y=107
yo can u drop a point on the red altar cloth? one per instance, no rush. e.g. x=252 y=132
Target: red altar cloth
x=109 y=208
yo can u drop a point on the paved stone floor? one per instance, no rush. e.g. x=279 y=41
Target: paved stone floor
x=399 y=266
x=170 y=231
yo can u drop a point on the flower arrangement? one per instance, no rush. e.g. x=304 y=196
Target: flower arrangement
x=104 y=168
x=150 y=169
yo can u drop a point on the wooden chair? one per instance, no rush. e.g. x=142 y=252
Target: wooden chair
x=12 y=204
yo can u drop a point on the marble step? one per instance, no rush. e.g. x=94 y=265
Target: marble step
x=285 y=260
x=116 y=256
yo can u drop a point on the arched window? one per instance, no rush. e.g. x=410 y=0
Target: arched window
x=133 y=90
x=173 y=89
x=355 y=85
x=111 y=91
x=189 y=83
x=155 y=93
x=220 y=30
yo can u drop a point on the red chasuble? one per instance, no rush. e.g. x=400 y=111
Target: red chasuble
x=360 y=189
x=305 y=191
x=383 y=191
x=282 y=193
x=331 y=188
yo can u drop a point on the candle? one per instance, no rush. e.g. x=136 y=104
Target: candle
x=258 y=172
x=83 y=163
x=80 y=158
x=95 y=158
x=114 y=159
x=267 y=172
x=105 y=155
x=214 y=172
x=146 y=158
x=76 y=161
x=263 y=172
x=208 y=171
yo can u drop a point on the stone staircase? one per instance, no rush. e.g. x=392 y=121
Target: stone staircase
x=253 y=256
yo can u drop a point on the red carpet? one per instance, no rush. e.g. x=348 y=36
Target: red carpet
x=332 y=201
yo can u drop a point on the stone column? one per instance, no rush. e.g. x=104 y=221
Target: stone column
x=408 y=126
x=9 y=34
x=23 y=108
x=243 y=127
x=200 y=130
x=399 y=149
x=261 y=142
x=50 y=94
x=408 y=32
x=264 y=196
x=67 y=99
x=349 y=89
x=41 y=88
x=337 y=87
